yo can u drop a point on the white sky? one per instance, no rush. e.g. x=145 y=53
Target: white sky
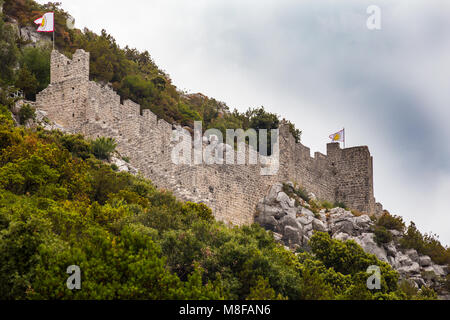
x=315 y=63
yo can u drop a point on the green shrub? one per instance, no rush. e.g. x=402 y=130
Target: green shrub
x=408 y=287
x=103 y=147
x=340 y=205
x=326 y=205
x=302 y=193
x=26 y=113
x=263 y=291
x=391 y=222
x=76 y=145
x=426 y=293
x=296 y=192
x=382 y=235
x=427 y=244
x=314 y=206
x=447 y=283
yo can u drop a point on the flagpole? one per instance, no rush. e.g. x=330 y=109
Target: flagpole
x=344 y=137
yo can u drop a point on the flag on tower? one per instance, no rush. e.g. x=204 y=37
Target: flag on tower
x=46 y=22
x=338 y=136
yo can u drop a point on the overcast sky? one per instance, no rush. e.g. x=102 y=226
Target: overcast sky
x=315 y=63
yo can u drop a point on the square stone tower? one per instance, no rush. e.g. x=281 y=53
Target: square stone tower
x=63 y=68
x=65 y=99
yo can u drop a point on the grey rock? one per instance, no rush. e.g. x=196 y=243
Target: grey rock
x=319 y=225
x=428 y=269
x=273 y=193
x=291 y=212
x=341 y=236
x=395 y=233
x=413 y=255
x=285 y=202
x=425 y=261
x=414 y=268
x=307 y=212
x=277 y=236
x=292 y=236
x=439 y=270
x=290 y=221
x=366 y=241
x=305 y=241
x=363 y=222
x=419 y=281
x=393 y=262
x=308 y=228
x=30 y=34
x=341 y=212
x=305 y=220
x=342 y=226
x=271 y=210
x=391 y=250
x=267 y=222
x=323 y=217
x=403 y=259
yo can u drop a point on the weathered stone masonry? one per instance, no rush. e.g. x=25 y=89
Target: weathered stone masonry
x=232 y=191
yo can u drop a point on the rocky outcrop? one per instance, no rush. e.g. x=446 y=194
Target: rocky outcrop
x=294 y=226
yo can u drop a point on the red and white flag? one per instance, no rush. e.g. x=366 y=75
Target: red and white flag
x=46 y=22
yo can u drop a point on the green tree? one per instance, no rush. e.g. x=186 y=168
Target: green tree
x=9 y=53
x=28 y=83
x=103 y=147
x=37 y=61
x=26 y=113
x=263 y=291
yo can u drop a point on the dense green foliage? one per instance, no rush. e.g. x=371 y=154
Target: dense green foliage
x=60 y=206
x=427 y=244
x=26 y=113
x=391 y=222
x=382 y=235
x=133 y=74
x=385 y=223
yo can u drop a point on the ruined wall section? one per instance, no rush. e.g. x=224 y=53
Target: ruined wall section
x=313 y=174
x=63 y=68
x=232 y=191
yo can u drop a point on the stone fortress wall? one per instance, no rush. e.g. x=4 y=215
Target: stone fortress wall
x=232 y=191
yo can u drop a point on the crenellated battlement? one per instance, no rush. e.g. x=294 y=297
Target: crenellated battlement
x=232 y=191
x=63 y=68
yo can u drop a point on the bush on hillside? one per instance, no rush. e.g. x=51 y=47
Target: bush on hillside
x=391 y=222
x=103 y=147
x=26 y=113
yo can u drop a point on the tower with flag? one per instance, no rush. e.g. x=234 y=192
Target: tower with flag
x=46 y=23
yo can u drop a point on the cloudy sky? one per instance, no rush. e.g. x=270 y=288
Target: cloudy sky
x=316 y=63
